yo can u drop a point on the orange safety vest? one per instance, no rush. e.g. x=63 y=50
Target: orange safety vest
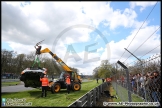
x=44 y=81
x=67 y=80
x=108 y=79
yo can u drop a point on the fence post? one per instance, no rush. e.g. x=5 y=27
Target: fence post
x=129 y=88
x=94 y=97
x=89 y=99
x=116 y=79
x=128 y=83
x=116 y=86
x=79 y=103
x=97 y=93
x=101 y=88
x=143 y=82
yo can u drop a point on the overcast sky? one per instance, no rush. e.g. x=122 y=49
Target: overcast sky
x=83 y=34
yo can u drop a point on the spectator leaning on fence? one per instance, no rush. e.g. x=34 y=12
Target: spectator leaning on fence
x=138 y=83
x=157 y=82
x=141 y=80
x=153 y=86
x=148 y=91
x=133 y=83
x=122 y=80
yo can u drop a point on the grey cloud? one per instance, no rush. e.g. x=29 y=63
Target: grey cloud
x=14 y=19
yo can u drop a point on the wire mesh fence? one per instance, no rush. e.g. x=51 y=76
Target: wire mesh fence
x=144 y=81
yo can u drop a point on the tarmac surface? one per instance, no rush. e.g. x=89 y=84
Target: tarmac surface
x=18 y=88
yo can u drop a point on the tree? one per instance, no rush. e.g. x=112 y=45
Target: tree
x=20 y=62
x=104 y=70
x=95 y=72
x=6 y=60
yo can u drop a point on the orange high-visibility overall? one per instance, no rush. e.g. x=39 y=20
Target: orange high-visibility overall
x=68 y=84
x=67 y=80
x=44 y=81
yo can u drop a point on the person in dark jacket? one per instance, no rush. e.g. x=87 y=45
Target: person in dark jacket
x=103 y=80
x=38 y=48
x=97 y=80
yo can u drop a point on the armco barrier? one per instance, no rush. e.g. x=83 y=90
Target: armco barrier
x=90 y=98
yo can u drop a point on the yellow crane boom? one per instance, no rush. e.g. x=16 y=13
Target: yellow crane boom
x=64 y=66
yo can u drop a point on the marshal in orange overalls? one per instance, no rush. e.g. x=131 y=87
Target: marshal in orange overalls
x=45 y=83
x=68 y=84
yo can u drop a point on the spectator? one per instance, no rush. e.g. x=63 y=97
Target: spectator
x=148 y=92
x=142 y=90
x=138 y=82
x=156 y=79
x=122 y=80
x=148 y=73
x=133 y=83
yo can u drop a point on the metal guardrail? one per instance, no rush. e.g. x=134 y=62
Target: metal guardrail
x=90 y=98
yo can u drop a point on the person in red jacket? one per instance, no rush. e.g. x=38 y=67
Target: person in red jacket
x=68 y=84
x=45 y=83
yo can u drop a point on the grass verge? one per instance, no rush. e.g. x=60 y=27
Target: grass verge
x=124 y=93
x=61 y=99
x=123 y=96
x=10 y=83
